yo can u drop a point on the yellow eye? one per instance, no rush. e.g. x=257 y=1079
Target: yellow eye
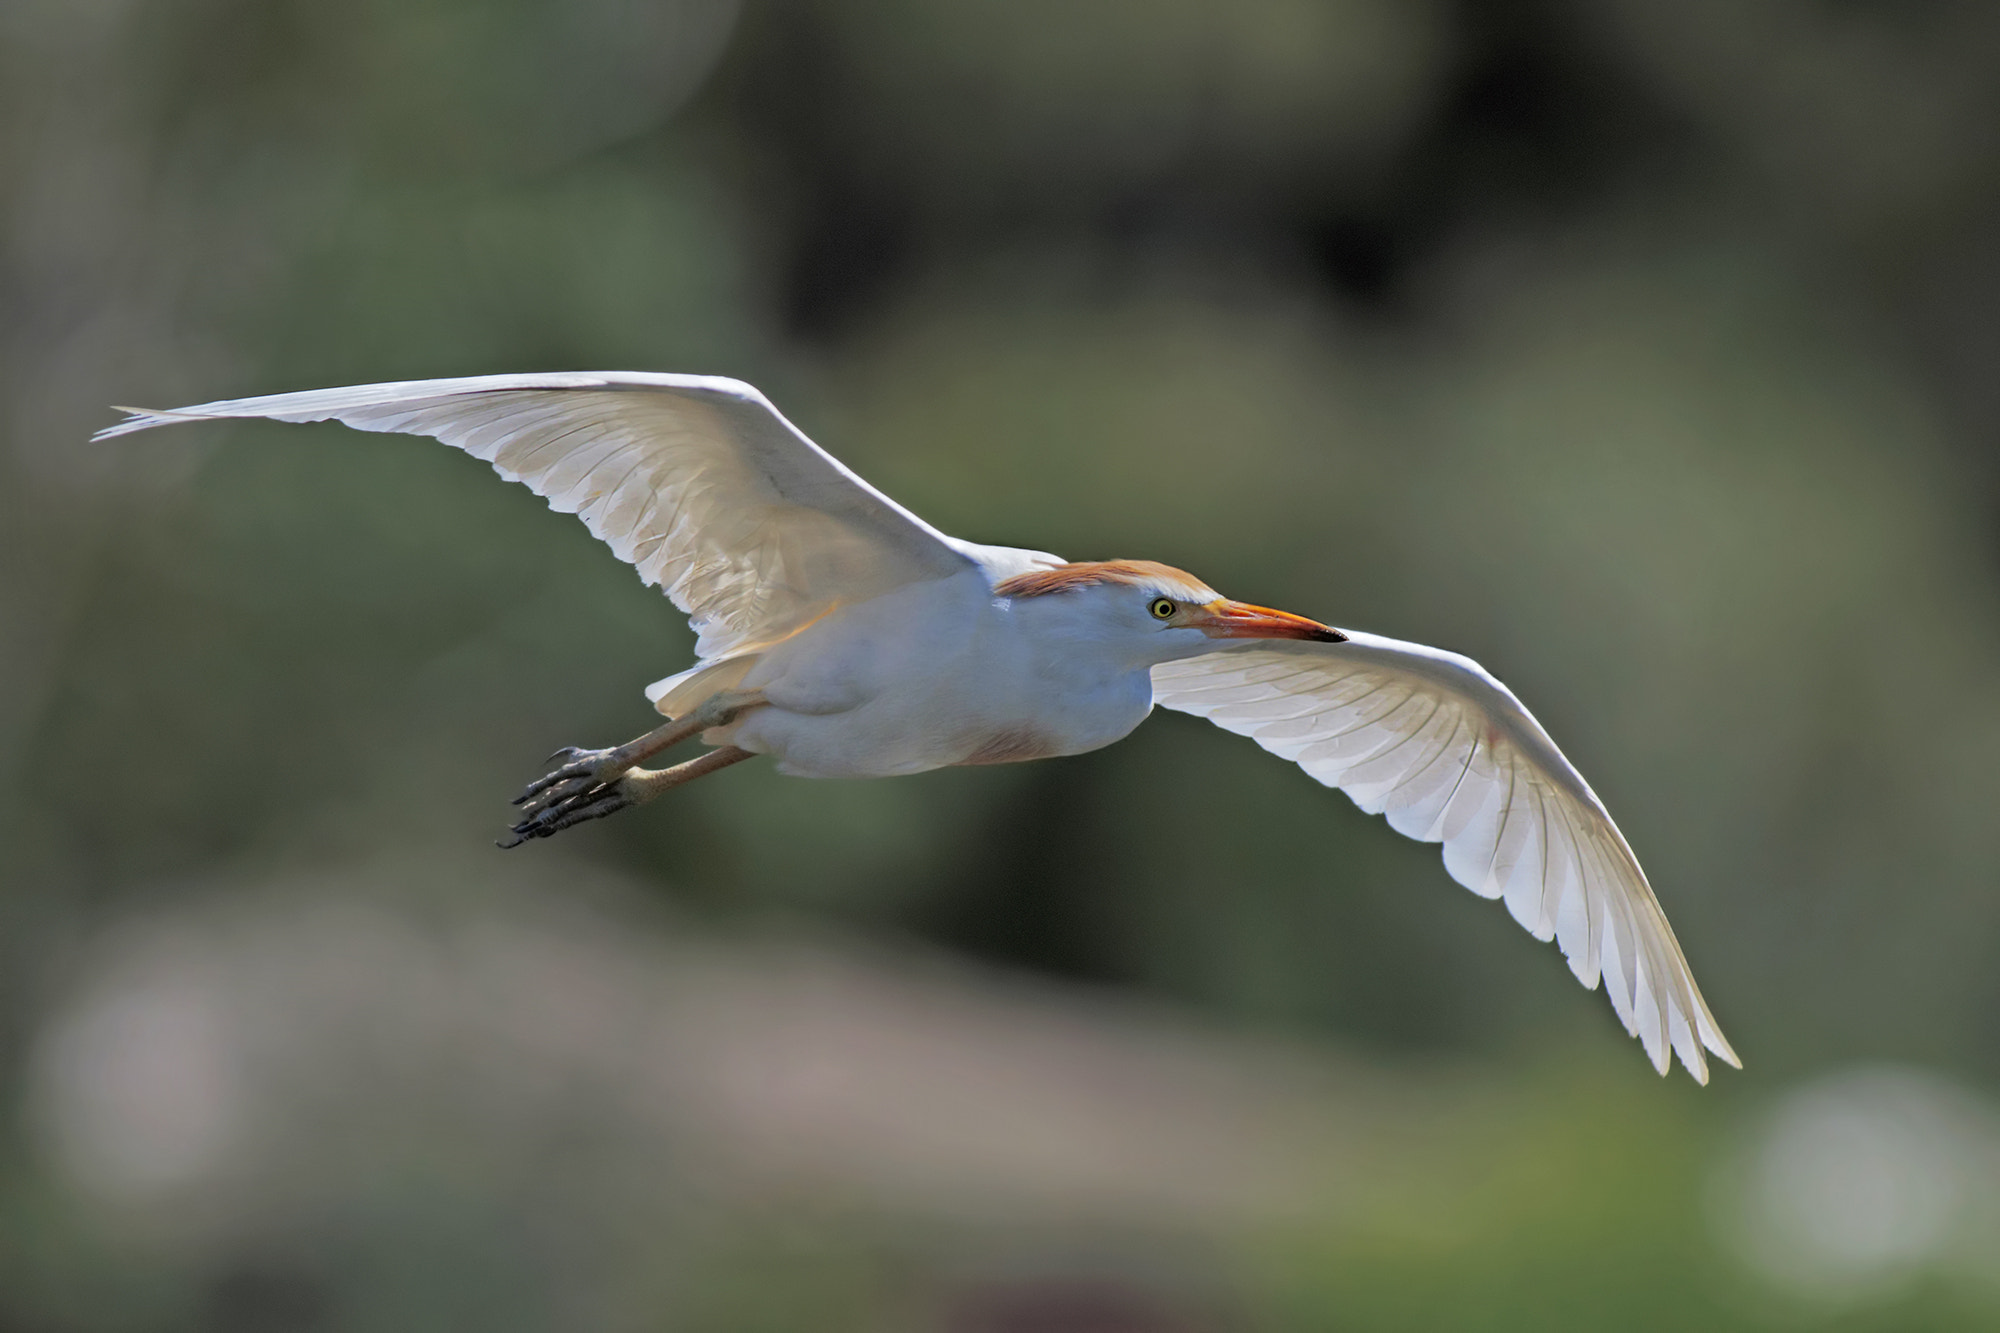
x=1161 y=608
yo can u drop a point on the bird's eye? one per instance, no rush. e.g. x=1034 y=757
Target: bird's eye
x=1162 y=608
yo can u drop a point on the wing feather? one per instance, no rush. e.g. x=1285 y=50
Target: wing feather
x=1449 y=755
x=699 y=483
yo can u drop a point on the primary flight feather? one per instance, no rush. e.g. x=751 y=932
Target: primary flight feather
x=843 y=636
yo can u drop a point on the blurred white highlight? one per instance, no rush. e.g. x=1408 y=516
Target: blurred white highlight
x=1858 y=1183
x=137 y=1087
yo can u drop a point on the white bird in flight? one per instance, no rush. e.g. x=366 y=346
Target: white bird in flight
x=845 y=637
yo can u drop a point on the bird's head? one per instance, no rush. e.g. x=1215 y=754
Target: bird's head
x=1159 y=612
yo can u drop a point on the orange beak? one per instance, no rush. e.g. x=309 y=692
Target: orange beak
x=1223 y=619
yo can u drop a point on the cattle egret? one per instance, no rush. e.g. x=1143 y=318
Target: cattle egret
x=845 y=637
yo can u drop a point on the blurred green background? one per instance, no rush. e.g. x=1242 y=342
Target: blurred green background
x=1645 y=352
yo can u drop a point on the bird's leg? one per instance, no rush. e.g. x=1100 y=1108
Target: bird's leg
x=595 y=767
x=588 y=779
x=635 y=786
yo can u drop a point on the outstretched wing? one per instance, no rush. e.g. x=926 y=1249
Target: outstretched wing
x=699 y=483
x=1447 y=752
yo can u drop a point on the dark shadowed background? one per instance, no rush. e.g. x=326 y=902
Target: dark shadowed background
x=1645 y=352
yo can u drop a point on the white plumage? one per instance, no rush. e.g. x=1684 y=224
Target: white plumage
x=1448 y=754
x=843 y=636
x=698 y=483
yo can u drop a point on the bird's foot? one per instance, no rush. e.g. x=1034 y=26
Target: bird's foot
x=565 y=798
x=588 y=784
x=576 y=771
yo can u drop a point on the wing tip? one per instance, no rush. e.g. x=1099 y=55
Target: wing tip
x=1695 y=1041
x=138 y=419
x=1719 y=1047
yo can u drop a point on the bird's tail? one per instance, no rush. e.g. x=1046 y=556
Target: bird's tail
x=680 y=694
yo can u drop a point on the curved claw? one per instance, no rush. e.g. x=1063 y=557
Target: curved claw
x=577 y=764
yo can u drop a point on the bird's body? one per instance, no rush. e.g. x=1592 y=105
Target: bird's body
x=981 y=680
x=968 y=669
x=843 y=637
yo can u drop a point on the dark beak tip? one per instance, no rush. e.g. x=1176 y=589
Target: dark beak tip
x=1331 y=635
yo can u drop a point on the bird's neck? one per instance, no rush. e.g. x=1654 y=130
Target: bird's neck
x=1071 y=631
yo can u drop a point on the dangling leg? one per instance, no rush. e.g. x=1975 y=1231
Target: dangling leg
x=635 y=786
x=585 y=776
x=593 y=767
